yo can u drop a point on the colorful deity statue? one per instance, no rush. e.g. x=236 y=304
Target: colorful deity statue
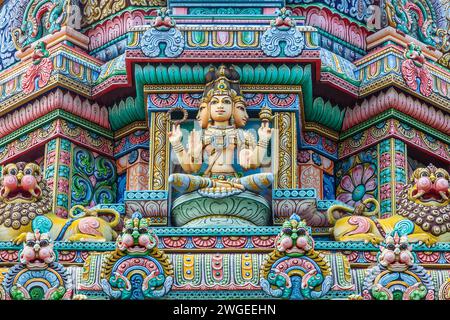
x=221 y=114
x=413 y=68
x=222 y=144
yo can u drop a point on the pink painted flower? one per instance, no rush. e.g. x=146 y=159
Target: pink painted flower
x=61 y=212
x=303 y=156
x=385 y=191
x=385 y=160
x=63 y=185
x=357 y=185
x=399 y=160
x=65 y=158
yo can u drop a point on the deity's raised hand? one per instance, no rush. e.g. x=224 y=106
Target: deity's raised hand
x=175 y=135
x=265 y=132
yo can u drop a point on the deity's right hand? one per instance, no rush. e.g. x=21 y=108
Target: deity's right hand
x=175 y=135
x=245 y=158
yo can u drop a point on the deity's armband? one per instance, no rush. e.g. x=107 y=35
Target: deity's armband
x=178 y=147
x=264 y=143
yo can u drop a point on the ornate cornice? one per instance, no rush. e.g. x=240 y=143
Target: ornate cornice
x=49 y=117
x=125 y=131
x=394 y=114
x=368 y=110
x=393 y=128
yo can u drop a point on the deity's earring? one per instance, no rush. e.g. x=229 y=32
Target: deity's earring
x=232 y=121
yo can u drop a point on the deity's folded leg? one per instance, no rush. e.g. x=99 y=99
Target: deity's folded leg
x=184 y=183
x=257 y=182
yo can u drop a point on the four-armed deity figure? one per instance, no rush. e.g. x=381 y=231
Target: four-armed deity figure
x=221 y=143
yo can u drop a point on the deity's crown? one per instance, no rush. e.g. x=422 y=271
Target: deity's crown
x=222 y=81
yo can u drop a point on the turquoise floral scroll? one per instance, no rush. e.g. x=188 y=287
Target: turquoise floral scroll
x=93 y=179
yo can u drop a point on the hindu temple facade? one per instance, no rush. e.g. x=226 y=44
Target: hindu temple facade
x=166 y=149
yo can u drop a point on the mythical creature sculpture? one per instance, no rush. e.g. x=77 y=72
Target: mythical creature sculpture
x=163 y=20
x=414 y=67
x=37 y=251
x=40 y=18
x=137 y=237
x=423 y=212
x=294 y=239
x=26 y=205
x=396 y=276
x=221 y=114
x=294 y=270
x=40 y=71
x=412 y=18
x=137 y=269
x=38 y=276
x=282 y=38
x=396 y=253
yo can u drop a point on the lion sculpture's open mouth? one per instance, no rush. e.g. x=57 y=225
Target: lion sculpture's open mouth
x=20 y=183
x=431 y=186
x=431 y=196
x=24 y=195
x=30 y=195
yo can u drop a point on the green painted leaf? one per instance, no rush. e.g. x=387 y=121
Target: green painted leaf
x=260 y=74
x=174 y=74
x=186 y=74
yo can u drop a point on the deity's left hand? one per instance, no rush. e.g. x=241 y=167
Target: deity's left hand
x=265 y=132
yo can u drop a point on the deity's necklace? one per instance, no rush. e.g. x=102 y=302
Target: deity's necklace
x=220 y=138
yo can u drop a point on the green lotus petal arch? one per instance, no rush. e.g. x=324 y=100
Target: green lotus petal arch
x=133 y=109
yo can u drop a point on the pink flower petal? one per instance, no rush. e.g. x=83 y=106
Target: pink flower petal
x=344 y=197
x=357 y=174
x=368 y=173
x=371 y=185
x=347 y=184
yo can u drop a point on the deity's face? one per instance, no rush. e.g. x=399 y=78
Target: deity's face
x=221 y=108
x=240 y=114
x=203 y=115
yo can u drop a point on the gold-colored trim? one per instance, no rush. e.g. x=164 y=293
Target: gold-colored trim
x=159 y=157
x=262 y=88
x=393 y=176
x=378 y=178
x=55 y=175
x=318 y=128
x=56 y=81
x=129 y=129
x=396 y=81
